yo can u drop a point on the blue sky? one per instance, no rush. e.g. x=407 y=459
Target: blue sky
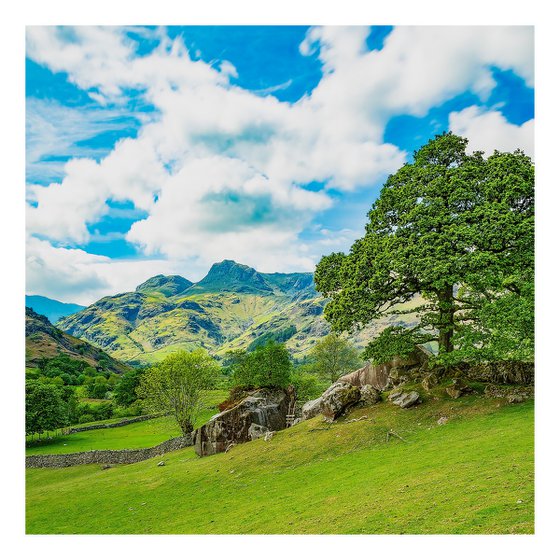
x=162 y=150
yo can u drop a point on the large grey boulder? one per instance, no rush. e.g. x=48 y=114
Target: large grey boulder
x=369 y=395
x=265 y=408
x=381 y=376
x=403 y=399
x=311 y=408
x=337 y=398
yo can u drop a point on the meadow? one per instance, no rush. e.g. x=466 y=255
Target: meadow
x=473 y=474
x=132 y=436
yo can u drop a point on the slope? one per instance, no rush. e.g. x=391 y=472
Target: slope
x=471 y=475
x=42 y=340
x=231 y=307
x=53 y=309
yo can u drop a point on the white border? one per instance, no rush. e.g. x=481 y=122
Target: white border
x=475 y=12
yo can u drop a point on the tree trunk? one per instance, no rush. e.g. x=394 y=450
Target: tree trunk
x=446 y=319
x=186 y=428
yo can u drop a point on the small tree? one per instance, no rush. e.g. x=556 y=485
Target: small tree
x=177 y=384
x=45 y=408
x=333 y=356
x=266 y=366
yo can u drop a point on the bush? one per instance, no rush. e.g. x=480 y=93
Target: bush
x=134 y=409
x=307 y=386
x=86 y=418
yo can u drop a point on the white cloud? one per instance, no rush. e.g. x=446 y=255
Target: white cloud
x=76 y=276
x=221 y=172
x=54 y=130
x=489 y=131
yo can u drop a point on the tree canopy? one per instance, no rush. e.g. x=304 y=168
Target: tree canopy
x=45 y=407
x=456 y=228
x=266 y=366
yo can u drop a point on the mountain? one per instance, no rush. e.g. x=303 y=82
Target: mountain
x=165 y=285
x=51 y=308
x=43 y=340
x=229 y=276
x=232 y=307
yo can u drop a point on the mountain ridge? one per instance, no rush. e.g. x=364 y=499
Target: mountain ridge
x=233 y=307
x=44 y=340
x=53 y=309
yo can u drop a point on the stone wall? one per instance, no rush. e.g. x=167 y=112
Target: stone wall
x=117 y=424
x=118 y=457
x=505 y=372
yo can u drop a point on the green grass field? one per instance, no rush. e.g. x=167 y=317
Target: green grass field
x=132 y=436
x=471 y=475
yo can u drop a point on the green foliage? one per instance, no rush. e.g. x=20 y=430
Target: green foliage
x=45 y=408
x=266 y=366
x=272 y=336
x=333 y=356
x=307 y=385
x=391 y=342
x=125 y=390
x=457 y=229
x=177 y=384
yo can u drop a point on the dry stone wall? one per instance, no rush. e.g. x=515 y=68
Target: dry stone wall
x=110 y=457
x=117 y=424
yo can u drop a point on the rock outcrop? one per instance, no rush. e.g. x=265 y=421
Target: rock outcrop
x=369 y=395
x=404 y=399
x=381 y=376
x=311 y=408
x=504 y=372
x=337 y=398
x=263 y=409
x=457 y=389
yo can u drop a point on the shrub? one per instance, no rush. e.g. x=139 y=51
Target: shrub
x=85 y=418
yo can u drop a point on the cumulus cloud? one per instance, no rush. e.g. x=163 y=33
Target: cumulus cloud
x=489 y=131
x=222 y=171
x=76 y=276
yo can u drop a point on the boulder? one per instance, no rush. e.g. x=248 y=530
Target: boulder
x=257 y=431
x=311 y=409
x=380 y=376
x=403 y=399
x=369 y=395
x=337 y=398
x=457 y=389
x=265 y=408
x=430 y=381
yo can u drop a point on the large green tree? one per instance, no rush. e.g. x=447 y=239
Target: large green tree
x=455 y=227
x=178 y=384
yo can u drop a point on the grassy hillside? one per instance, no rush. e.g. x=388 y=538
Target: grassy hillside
x=43 y=340
x=471 y=475
x=132 y=436
x=232 y=307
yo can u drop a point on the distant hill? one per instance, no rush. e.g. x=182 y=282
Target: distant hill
x=233 y=306
x=43 y=340
x=51 y=308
